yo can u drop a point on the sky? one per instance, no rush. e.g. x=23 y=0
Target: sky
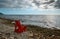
x=28 y=11
x=30 y=6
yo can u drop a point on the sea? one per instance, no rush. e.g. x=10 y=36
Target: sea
x=48 y=21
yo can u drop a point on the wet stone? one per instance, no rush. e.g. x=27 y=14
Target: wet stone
x=15 y=37
x=3 y=37
x=11 y=37
x=7 y=34
x=0 y=34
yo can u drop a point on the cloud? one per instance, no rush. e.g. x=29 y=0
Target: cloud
x=12 y=3
x=41 y=4
x=57 y=4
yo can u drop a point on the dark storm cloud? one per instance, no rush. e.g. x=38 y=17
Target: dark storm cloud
x=57 y=5
x=45 y=4
x=12 y=3
x=37 y=3
x=51 y=1
x=5 y=3
x=29 y=3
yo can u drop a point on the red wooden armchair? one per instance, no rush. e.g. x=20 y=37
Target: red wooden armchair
x=19 y=27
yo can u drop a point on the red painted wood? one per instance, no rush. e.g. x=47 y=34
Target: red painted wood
x=19 y=27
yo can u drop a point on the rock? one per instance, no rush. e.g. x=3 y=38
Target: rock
x=15 y=37
x=11 y=37
x=0 y=34
x=3 y=37
x=30 y=33
x=7 y=34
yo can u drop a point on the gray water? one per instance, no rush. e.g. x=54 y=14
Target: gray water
x=40 y=20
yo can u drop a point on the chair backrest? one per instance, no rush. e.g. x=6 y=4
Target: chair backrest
x=20 y=28
x=17 y=23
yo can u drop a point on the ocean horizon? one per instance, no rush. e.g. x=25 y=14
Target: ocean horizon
x=40 y=20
